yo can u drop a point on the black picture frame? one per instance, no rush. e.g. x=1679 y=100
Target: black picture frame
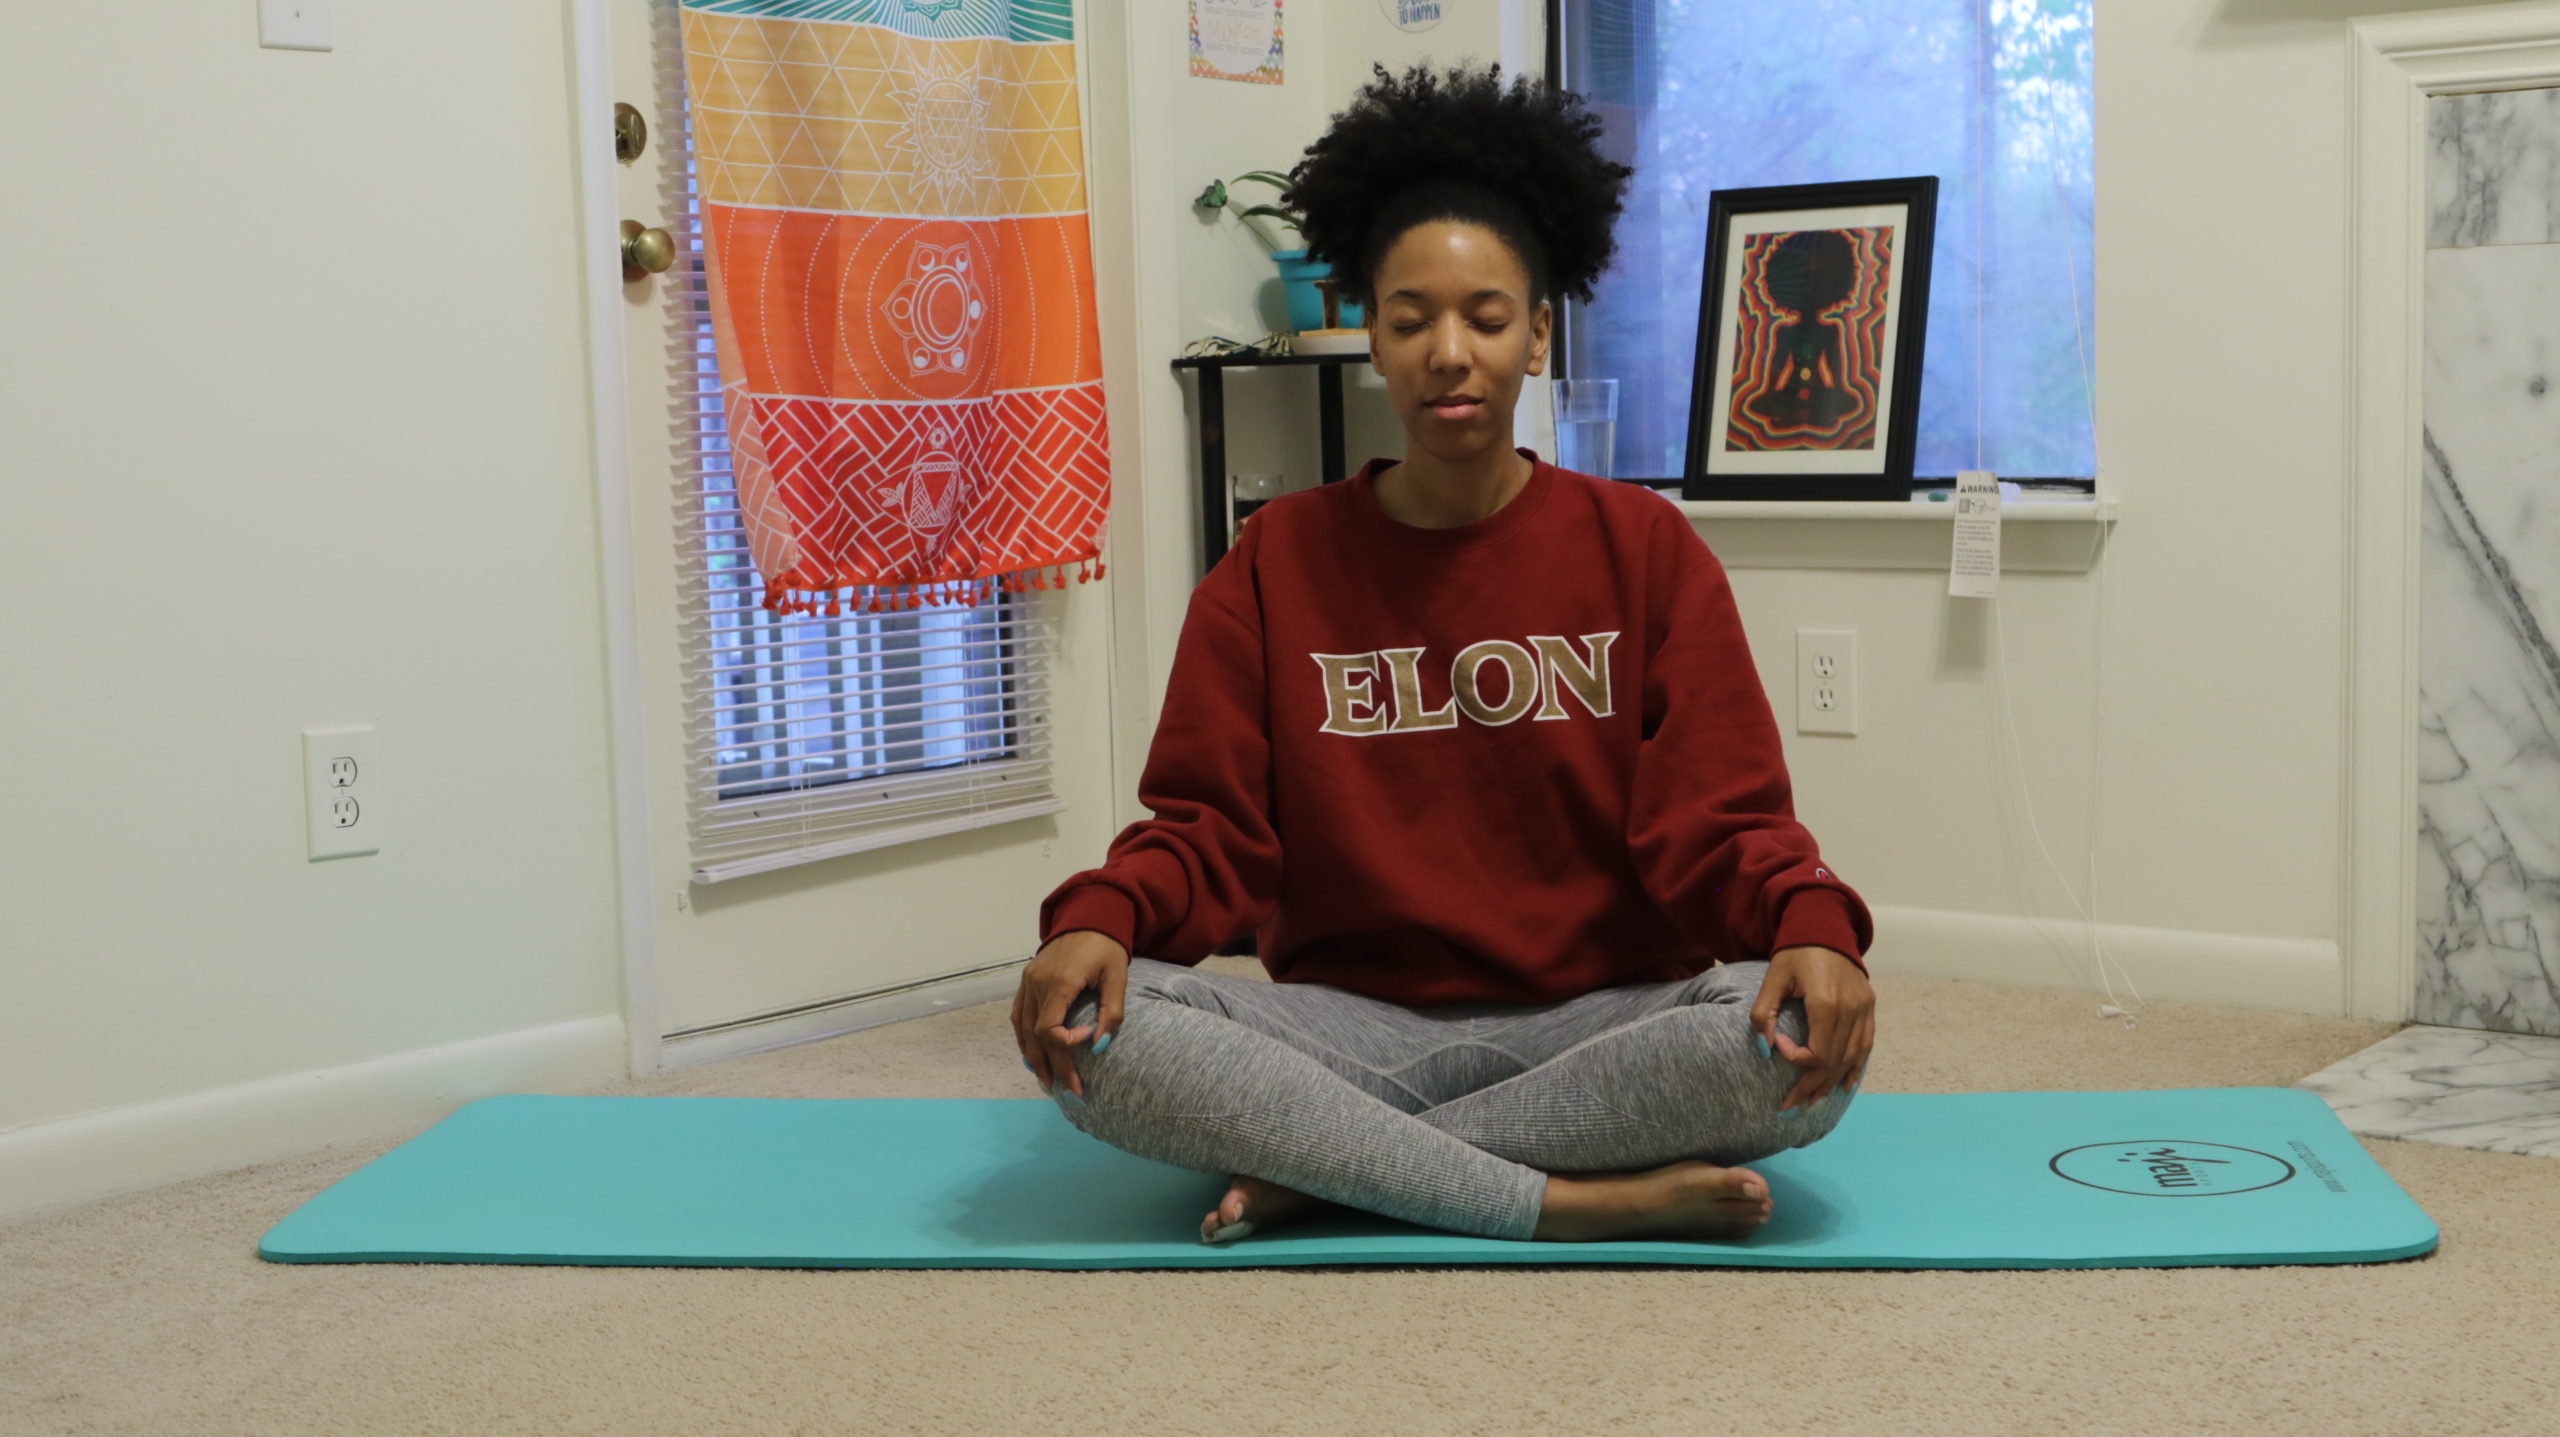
x=1894 y=332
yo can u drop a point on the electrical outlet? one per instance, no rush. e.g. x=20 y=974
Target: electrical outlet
x=1827 y=681
x=340 y=789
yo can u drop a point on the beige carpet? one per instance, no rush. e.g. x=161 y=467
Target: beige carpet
x=151 y=1313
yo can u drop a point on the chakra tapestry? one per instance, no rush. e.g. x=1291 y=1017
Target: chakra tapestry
x=900 y=269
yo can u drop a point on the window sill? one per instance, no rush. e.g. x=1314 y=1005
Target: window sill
x=2061 y=535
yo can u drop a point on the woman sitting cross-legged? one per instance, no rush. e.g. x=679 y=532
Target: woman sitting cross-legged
x=1476 y=746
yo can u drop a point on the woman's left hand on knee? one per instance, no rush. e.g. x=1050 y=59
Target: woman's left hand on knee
x=1840 y=1019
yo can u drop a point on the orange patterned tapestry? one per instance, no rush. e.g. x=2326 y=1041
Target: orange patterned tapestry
x=901 y=282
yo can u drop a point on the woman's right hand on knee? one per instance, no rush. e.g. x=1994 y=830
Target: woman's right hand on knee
x=1060 y=973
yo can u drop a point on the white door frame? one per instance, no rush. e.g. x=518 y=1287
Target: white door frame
x=2396 y=63
x=609 y=412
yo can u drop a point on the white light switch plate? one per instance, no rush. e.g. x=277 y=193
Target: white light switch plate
x=295 y=25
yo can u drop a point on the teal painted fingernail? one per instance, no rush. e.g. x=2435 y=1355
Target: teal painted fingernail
x=1764 y=1045
x=1102 y=1042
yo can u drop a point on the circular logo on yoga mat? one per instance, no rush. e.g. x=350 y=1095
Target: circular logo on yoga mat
x=2166 y=1167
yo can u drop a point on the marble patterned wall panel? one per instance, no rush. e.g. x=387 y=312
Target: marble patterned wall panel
x=2493 y=168
x=2489 y=671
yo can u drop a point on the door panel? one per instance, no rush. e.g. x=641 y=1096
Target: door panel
x=795 y=937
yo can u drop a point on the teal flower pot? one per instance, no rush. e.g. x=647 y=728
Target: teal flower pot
x=1298 y=276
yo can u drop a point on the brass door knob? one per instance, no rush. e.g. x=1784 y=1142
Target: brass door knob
x=630 y=132
x=645 y=251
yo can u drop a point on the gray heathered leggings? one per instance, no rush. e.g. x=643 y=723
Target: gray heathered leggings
x=1450 y=1117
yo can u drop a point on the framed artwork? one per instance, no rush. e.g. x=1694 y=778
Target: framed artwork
x=1810 y=325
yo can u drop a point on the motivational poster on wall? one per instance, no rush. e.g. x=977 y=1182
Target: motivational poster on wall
x=1236 y=40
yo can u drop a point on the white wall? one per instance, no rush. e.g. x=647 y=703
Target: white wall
x=2221 y=277
x=299 y=436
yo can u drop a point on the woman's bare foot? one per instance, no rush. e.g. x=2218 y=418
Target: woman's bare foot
x=1252 y=1205
x=1688 y=1199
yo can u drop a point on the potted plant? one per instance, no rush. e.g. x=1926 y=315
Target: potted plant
x=1299 y=276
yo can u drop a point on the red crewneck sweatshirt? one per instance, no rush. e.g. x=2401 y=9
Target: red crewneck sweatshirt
x=1507 y=762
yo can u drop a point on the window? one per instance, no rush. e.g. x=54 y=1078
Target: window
x=808 y=737
x=1991 y=96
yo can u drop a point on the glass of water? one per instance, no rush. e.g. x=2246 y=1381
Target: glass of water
x=1249 y=492
x=1587 y=426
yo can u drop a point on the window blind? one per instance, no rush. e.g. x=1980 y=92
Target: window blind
x=808 y=737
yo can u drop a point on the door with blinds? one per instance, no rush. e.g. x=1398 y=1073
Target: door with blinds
x=848 y=809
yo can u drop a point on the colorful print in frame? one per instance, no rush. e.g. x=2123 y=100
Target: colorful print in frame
x=1812 y=318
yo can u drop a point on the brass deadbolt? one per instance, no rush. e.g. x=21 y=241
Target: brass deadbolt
x=645 y=251
x=630 y=131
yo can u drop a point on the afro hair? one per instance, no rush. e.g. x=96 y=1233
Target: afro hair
x=1524 y=163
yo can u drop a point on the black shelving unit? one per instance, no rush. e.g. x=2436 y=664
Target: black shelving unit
x=1213 y=429
x=1213 y=457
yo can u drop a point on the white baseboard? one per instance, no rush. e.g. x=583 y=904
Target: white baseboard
x=2291 y=975
x=69 y=1160
x=845 y=1015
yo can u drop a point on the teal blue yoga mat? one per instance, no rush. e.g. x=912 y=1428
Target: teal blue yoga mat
x=2163 y=1178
